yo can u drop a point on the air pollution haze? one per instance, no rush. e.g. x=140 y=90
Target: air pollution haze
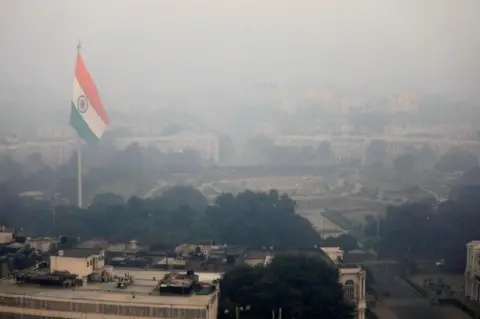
x=207 y=55
x=334 y=144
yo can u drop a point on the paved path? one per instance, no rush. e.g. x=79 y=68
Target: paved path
x=400 y=301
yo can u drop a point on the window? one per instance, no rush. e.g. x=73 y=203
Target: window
x=349 y=290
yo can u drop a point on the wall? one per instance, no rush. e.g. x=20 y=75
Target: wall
x=5 y=237
x=212 y=311
x=76 y=266
x=41 y=245
x=30 y=305
x=334 y=253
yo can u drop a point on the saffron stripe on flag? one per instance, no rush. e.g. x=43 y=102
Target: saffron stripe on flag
x=89 y=88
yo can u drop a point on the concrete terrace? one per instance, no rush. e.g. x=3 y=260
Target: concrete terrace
x=140 y=293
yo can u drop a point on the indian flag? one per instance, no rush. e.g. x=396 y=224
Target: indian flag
x=87 y=116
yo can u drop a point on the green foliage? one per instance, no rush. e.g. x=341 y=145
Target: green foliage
x=457 y=160
x=180 y=215
x=303 y=286
x=345 y=242
x=107 y=200
x=424 y=231
x=185 y=196
x=376 y=152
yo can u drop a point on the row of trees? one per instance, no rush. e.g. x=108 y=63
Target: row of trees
x=180 y=215
x=440 y=231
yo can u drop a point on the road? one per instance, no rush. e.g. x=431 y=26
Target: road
x=439 y=198
x=403 y=302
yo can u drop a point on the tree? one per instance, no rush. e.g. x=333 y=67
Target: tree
x=405 y=164
x=180 y=215
x=302 y=286
x=377 y=151
x=439 y=232
x=345 y=241
x=177 y=196
x=456 y=160
x=108 y=199
x=260 y=219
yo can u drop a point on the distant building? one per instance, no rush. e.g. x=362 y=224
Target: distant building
x=42 y=244
x=472 y=271
x=207 y=145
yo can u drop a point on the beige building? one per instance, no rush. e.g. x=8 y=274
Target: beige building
x=82 y=262
x=104 y=300
x=472 y=271
x=6 y=235
x=352 y=277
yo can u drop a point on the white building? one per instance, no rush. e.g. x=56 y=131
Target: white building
x=472 y=271
x=352 y=277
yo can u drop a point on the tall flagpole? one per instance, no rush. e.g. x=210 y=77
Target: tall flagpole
x=79 y=158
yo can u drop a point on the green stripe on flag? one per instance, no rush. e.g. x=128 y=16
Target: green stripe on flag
x=79 y=124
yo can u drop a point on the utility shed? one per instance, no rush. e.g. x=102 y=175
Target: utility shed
x=81 y=262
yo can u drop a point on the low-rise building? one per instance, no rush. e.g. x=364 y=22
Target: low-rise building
x=6 y=235
x=139 y=298
x=472 y=271
x=79 y=261
x=42 y=244
x=352 y=277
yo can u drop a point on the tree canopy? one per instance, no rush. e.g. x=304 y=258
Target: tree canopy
x=302 y=286
x=441 y=231
x=457 y=160
x=180 y=215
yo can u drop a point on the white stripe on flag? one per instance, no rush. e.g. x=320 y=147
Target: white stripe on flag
x=91 y=117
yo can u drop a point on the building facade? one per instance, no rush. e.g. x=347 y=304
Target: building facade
x=6 y=235
x=472 y=271
x=352 y=277
x=82 y=262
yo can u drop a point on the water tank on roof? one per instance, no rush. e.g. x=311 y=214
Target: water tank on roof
x=60 y=253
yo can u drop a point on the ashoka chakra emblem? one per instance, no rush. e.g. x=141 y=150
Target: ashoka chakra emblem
x=82 y=104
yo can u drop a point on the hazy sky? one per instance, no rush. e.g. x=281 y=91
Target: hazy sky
x=145 y=53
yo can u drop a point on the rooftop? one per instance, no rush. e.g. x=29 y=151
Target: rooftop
x=139 y=293
x=78 y=252
x=3 y=229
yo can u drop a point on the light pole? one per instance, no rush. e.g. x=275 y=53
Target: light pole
x=378 y=236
